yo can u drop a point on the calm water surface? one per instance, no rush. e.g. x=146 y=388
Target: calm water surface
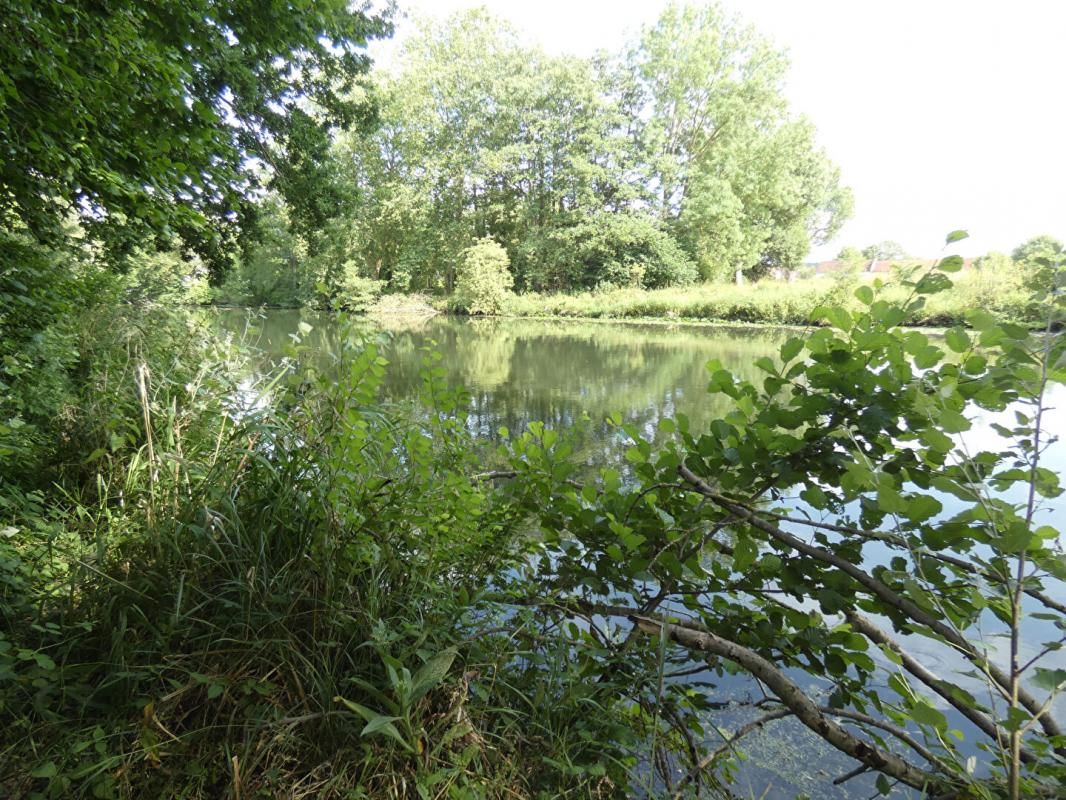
x=564 y=373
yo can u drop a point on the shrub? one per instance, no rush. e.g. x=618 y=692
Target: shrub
x=275 y=268
x=357 y=293
x=193 y=588
x=484 y=278
x=851 y=521
x=1041 y=260
x=615 y=249
x=166 y=276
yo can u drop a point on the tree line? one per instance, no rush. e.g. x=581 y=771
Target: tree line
x=675 y=159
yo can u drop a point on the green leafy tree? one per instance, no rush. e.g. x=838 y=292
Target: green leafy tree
x=1041 y=260
x=484 y=278
x=884 y=251
x=141 y=115
x=275 y=267
x=1039 y=247
x=742 y=182
x=479 y=136
x=619 y=249
x=482 y=136
x=852 y=257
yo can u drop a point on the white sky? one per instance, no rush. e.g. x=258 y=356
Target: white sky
x=942 y=114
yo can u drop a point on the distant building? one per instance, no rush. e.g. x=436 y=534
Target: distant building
x=879 y=266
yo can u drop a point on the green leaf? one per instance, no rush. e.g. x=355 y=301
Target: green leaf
x=44 y=662
x=958 y=340
x=744 y=552
x=928 y=357
x=925 y=714
x=766 y=365
x=951 y=264
x=432 y=673
x=814 y=496
x=361 y=710
x=922 y=507
x=1016 y=539
x=45 y=770
x=865 y=295
x=382 y=724
x=956 y=236
x=1050 y=680
x=791 y=349
x=837 y=317
x=890 y=500
x=953 y=421
x=770 y=564
x=933 y=283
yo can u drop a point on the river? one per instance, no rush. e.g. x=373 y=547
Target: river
x=562 y=372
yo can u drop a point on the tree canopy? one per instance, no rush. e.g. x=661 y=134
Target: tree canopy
x=162 y=115
x=884 y=250
x=687 y=133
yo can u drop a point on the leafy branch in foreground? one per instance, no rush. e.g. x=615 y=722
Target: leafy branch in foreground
x=877 y=506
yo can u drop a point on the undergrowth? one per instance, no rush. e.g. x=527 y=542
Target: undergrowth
x=220 y=584
x=777 y=302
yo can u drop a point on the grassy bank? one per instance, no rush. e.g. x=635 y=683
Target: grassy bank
x=773 y=302
x=217 y=584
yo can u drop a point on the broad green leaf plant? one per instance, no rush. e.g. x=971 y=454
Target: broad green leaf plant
x=868 y=535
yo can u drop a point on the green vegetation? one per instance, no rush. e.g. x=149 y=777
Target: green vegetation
x=143 y=119
x=229 y=596
x=484 y=280
x=225 y=579
x=674 y=160
x=1002 y=293
x=212 y=585
x=829 y=535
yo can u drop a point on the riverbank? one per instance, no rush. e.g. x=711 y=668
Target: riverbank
x=765 y=302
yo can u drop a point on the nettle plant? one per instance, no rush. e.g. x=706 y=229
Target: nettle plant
x=878 y=505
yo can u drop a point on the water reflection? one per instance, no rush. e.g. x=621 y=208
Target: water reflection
x=520 y=371
x=563 y=373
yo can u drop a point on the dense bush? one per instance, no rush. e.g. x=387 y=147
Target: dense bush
x=356 y=293
x=1040 y=260
x=273 y=267
x=43 y=292
x=170 y=277
x=483 y=279
x=618 y=250
x=272 y=583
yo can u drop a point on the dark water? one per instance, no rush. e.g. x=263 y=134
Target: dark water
x=519 y=371
x=569 y=374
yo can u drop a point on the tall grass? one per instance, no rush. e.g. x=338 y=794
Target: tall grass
x=241 y=586
x=775 y=302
